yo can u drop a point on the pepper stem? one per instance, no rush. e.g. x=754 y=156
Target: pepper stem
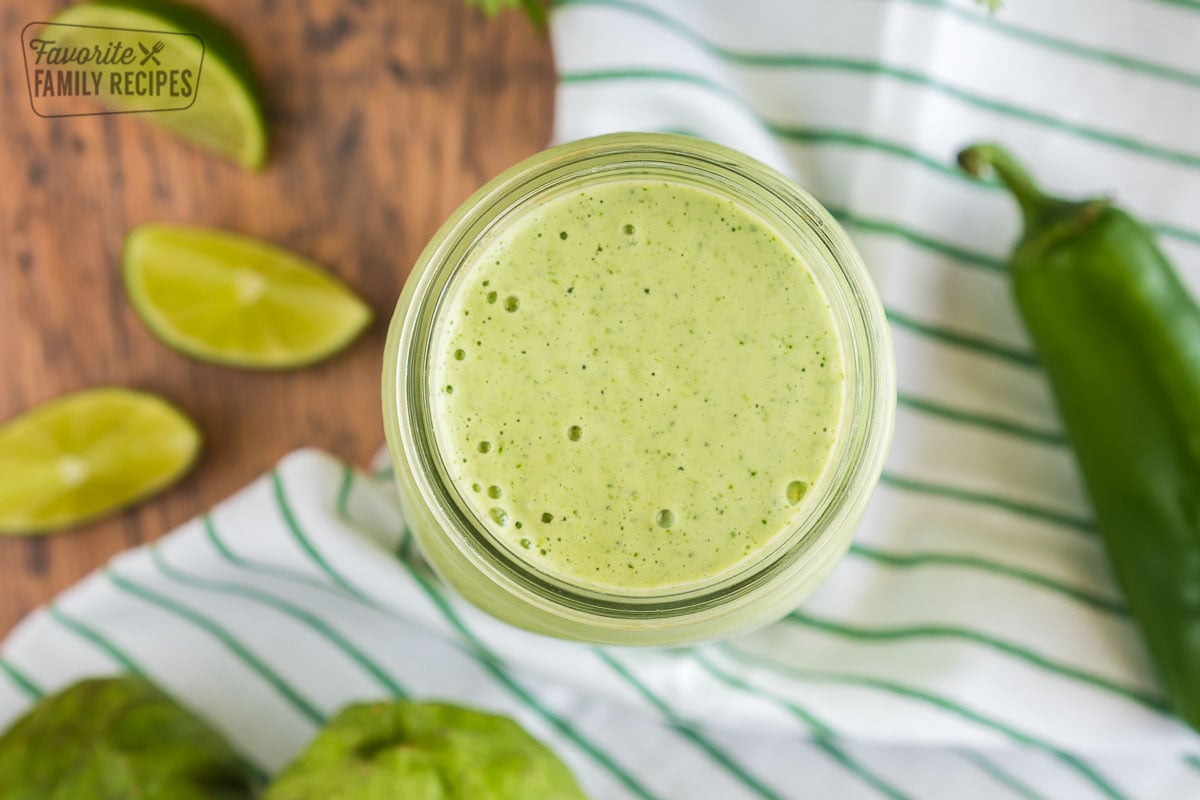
x=982 y=160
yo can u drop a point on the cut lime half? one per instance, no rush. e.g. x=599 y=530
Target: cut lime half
x=227 y=115
x=84 y=455
x=237 y=301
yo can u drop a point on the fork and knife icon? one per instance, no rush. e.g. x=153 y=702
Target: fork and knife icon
x=151 y=53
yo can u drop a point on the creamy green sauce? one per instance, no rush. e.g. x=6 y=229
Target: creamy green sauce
x=637 y=386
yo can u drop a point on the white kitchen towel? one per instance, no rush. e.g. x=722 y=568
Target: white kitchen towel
x=972 y=645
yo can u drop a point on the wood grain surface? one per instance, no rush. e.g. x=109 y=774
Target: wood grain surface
x=385 y=115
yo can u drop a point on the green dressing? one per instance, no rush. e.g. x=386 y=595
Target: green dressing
x=637 y=386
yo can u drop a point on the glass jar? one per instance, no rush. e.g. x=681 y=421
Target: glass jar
x=482 y=569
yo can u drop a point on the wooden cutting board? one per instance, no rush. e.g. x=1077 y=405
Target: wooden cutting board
x=385 y=115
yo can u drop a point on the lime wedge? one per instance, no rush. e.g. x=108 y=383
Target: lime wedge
x=237 y=301
x=227 y=115
x=83 y=455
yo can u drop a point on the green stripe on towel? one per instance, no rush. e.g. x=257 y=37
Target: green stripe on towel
x=99 y=641
x=231 y=643
x=911 y=633
x=1018 y=356
x=899 y=74
x=688 y=732
x=823 y=734
x=22 y=681
x=999 y=774
x=976 y=497
x=957 y=560
x=310 y=621
x=1001 y=24
x=928 y=698
x=986 y=421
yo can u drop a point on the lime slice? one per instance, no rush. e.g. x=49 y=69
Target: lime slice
x=237 y=301
x=83 y=455
x=227 y=115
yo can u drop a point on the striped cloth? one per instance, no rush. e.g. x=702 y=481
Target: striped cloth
x=972 y=645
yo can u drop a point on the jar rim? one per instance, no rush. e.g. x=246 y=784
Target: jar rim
x=815 y=537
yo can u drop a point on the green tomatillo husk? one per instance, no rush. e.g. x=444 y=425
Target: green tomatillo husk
x=424 y=751
x=118 y=738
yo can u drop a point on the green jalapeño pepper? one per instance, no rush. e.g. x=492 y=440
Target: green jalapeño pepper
x=1119 y=336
